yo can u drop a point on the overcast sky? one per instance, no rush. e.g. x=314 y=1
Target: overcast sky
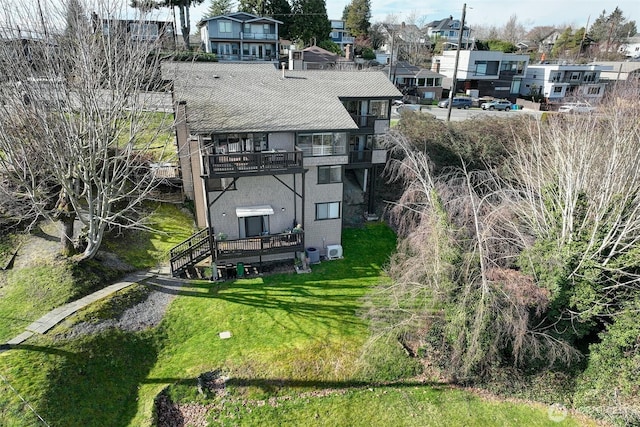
x=486 y=12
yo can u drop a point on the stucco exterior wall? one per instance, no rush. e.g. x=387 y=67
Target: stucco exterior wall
x=256 y=191
x=319 y=233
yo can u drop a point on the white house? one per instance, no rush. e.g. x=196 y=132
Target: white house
x=561 y=82
x=491 y=73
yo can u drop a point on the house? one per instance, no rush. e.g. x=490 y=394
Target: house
x=415 y=81
x=240 y=36
x=144 y=31
x=631 y=47
x=339 y=34
x=564 y=82
x=264 y=149
x=312 y=58
x=618 y=71
x=448 y=30
x=483 y=72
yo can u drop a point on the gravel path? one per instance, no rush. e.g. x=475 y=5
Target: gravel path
x=144 y=315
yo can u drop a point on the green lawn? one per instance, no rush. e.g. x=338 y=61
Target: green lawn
x=293 y=336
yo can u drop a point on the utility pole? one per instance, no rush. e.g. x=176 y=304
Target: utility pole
x=454 y=80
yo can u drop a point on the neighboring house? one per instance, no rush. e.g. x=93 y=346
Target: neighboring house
x=448 y=30
x=631 y=47
x=540 y=39
x=340 y=35
x=312 y=58
x=415 y=81
x=263 y=149
x=560 y=83
x=490 y=73
x=241 y=36
x=618 y=71
x=144 y=31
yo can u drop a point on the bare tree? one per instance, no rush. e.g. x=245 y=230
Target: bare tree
x=579 y=178
x=513 y=31
x=75 y=118
x=459 y=243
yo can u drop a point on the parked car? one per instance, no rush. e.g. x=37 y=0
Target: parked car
x=458 y=102
x=497 y=104
x=397 y=102
x=576 y=107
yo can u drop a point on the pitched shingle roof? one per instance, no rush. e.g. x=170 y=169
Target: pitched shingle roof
x=240 y=97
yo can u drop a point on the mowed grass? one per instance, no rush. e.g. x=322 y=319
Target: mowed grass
x=396 y=405
x=292 y=336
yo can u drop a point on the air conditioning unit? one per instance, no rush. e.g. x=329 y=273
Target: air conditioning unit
x=334 y=251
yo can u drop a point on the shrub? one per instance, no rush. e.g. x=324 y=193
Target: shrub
x=609 y=385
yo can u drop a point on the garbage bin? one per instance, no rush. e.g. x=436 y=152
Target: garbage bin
x=240 y=269
x=229 y=271
x=314 y=255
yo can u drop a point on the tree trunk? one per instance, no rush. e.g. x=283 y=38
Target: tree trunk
x=184 y=26
x=66 y=237
x=67 y=217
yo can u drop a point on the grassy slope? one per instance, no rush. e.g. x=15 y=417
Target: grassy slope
x=291 y=333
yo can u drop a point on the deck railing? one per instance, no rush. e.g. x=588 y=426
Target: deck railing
x=190 y=252
x=197 y=247
x=263 y=162
x=259 y=245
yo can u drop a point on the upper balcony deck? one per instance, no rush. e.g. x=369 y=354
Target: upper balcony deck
x=252 y=164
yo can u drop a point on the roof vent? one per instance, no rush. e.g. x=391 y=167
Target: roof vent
x=215 y=76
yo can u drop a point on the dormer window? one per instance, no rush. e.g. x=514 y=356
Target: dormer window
x=456 y=25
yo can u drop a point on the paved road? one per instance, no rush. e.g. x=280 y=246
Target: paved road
x=462 y=114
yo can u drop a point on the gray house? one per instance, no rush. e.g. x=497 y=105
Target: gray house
x=240 y=36
x=263 y=150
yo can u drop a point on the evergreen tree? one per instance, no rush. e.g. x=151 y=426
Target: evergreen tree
x=281 y=10
x=220 y=7
x=276 y=9
x=611 y=30
x=564 y=44
x=358 y=17
x=310 y=22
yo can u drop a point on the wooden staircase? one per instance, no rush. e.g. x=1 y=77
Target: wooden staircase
x=190 y=252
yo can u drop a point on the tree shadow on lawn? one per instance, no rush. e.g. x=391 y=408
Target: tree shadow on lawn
x=95 y=380
x=321 y=300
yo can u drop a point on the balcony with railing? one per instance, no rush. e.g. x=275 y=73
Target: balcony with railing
x=246 y=164
x=259 y=245
x=366 y=121
x=363 y=157
x=198 y=247
x=258 y=36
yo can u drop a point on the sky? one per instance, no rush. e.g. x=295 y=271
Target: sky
x=530 y=13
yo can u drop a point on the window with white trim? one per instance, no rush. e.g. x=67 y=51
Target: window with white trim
x=224 y=26
x=330 y=210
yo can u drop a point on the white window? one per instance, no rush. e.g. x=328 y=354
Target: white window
x=594 y=90
x=329 y=210
x=224 y=26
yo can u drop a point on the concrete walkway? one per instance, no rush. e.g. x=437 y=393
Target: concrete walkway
x=57 y=315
